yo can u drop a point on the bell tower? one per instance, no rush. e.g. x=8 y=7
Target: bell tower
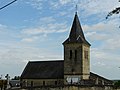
x=76 y=53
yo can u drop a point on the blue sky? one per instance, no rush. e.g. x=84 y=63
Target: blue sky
x=35 y=29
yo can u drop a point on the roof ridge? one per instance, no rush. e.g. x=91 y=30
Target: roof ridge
x=47 y=61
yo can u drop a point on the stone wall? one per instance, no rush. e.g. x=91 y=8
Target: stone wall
x=74 y=88
x=76 y=60
x=41 y=82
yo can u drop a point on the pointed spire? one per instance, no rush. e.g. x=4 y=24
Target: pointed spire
x=76 y=33
x=76 y=30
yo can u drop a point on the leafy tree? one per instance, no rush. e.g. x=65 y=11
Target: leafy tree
x=115 y=11
x=117 y=83
x=16 y=78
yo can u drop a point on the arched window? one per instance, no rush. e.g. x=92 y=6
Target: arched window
x=43 y=83
x=55 y=82
x=86 y=54
x=70 y=54
x=75 y=54
x=31 y=83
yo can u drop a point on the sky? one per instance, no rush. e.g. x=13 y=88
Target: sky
x=34 y=30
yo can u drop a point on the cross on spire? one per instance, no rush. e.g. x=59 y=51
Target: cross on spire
x=76 y=8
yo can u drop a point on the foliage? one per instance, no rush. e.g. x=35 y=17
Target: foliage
x=115 y=11
x=16 y=78
x=117 y=83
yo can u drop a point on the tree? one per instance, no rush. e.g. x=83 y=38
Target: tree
x=115 y=11
x=16 y=78
x=117 y=83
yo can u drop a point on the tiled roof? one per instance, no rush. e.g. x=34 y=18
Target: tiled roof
x=44 y=70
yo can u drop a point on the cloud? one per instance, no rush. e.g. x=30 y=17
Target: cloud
x=37 y=4
x=46 y=26
x=13 y=59
x=16 y=52
x=86 y=8
x=31 y=39
x=2 y=26
x=113 y=44
x=89 y=7
x=102 y=54
x=50 y=28
x=103 y=62
x=27 y=53
x=102 y=30
x=64 y=1
x=96 y=7
x=94 y=36
x=104 y=37
x=46 y=20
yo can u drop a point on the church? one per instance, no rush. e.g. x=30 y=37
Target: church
x=73 y=70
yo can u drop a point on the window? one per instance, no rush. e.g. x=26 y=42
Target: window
x=70 y=54
x=86 y=54
x=43 y=83
x=72 y=70
x=55 y=82
x=75 y=54
x=31 y=83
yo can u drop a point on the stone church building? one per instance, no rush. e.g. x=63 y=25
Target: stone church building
x=73 y=70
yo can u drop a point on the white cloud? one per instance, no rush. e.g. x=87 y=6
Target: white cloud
x=65 y=1
x=102 y=30
x=112 y=43
x=17 y=52
x=37 y=4
x=55 y=5
x=35 y=31
x=94 y=36
x=46 y=26
x=13 y=59
x=101 y=54
x=105 y=47
x=107 y=34
x=97 y=7
x=88 y=7
x=3 y=28
x=46 y=20
x=45 y=30
x=27 y=53
x=99 y=64
x=104 y=58
x=31 y=39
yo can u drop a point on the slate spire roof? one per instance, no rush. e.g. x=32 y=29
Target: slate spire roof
x=76 y=33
